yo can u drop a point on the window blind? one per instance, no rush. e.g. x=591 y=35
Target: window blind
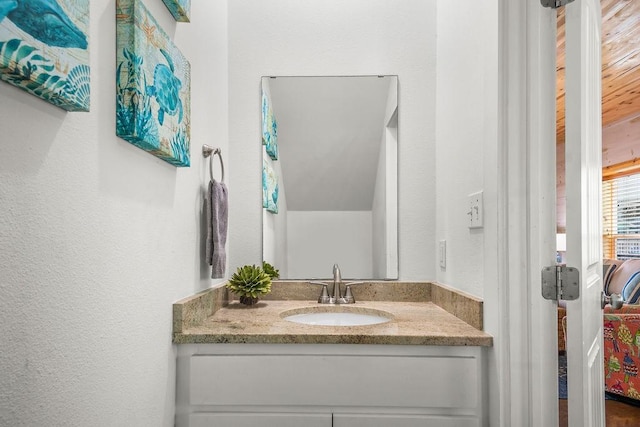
x=621 y=217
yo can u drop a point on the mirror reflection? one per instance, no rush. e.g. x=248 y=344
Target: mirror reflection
x=330 y=176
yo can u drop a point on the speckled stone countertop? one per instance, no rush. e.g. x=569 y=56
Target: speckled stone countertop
x=421 y=314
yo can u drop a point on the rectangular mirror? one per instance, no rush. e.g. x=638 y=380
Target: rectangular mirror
x=330 y=185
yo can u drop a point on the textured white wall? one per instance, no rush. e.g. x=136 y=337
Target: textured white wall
x=314 y=239
x=98 y=238
x=466 y=134
x=333 y=37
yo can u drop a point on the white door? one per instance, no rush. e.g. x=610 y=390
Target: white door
x=583 y=191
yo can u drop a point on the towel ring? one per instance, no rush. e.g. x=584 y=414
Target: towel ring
x=208 y=151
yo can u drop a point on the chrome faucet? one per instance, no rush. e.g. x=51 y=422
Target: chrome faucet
x=336 y=297
x=337 y=281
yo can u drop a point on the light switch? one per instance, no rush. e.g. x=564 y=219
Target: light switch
x=474 y=213
x=443 y=254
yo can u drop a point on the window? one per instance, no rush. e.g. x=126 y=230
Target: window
x=621 y=217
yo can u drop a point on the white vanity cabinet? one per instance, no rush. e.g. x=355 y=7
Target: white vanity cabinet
x=339 y=385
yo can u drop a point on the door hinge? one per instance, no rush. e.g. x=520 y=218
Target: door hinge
x=560 y=283
x=554 y=4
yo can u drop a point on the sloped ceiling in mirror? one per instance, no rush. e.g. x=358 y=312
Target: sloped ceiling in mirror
x=320 y=134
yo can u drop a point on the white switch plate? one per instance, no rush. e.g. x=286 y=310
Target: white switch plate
x=443 y=254
x=475 y=216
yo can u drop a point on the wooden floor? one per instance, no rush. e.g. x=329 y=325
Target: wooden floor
x=618 y=414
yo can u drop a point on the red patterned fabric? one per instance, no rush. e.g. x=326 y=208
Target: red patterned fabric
x=622 y=351
x=621 y=334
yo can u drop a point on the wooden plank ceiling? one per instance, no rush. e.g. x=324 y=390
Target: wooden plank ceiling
x=620 y=63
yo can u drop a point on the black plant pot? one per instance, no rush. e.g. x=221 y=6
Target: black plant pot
x=246 y=300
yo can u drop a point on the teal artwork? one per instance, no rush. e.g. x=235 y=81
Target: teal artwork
x=44 y=50
x=180 y=9
x=153 y=86
x=269 y=128
x=269 y=188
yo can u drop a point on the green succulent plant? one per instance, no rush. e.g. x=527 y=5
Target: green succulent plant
x=270 y=270
x=249 y=283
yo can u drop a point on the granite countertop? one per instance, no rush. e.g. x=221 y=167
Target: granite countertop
x=209 y=317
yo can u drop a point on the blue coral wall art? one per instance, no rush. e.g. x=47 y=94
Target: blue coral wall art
x=153 y=86
x=269 y=127
x=44 y=50
x=180 y=9
x=269 y=188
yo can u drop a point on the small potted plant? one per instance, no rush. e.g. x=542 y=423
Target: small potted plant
x=249 y=283
x=270 y=270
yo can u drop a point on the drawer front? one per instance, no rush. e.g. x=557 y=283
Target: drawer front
x=335 y=380
x=360 y=420
x=233 y=419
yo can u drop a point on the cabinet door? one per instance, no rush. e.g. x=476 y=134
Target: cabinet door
x=233 y=419
x=372 y=420
x=310 y=380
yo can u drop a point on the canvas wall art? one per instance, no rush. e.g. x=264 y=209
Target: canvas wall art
x=153 y=86
x=180 y=9
x=269 y=127
x=44 y=50
x=269 y=187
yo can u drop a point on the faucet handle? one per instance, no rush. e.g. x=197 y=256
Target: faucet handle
x=355 y=283
x=324 y=294
x=348 y=296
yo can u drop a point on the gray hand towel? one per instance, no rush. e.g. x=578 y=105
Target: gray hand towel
x=216 y=205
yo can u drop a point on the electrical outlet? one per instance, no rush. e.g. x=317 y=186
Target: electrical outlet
x=443 y=254
x=475 y=214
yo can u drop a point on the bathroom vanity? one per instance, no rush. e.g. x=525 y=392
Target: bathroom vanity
x=248 y=366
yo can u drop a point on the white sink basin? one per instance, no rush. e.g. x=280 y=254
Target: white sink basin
x=337 y=318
